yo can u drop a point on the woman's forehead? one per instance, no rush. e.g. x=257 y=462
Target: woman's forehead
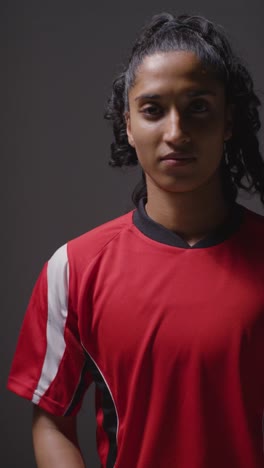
x=175 y=67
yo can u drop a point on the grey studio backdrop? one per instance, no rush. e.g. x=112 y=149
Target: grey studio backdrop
x=58 y=62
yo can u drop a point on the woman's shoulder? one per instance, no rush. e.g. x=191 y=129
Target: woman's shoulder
x=80 y=251
x=95 y=240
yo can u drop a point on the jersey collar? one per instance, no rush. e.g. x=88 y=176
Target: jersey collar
x=159 y=233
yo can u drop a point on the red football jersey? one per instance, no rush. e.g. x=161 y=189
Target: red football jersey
x=171 y=334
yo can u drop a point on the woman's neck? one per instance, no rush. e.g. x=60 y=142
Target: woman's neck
x=192 y=215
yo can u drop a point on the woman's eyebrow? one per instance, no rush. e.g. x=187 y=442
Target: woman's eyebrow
x=148 y=96
x=201 y=92
x=192 y=93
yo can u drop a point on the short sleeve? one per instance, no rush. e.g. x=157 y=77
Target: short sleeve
x=49 y=365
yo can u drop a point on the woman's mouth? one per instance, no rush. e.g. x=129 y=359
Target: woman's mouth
x=177 y=159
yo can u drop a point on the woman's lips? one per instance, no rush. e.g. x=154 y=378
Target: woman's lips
x=177 y=156
x=177 y=162
x=177 y=159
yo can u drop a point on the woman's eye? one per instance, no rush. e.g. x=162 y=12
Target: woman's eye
x=199 y=106
x=151 y=111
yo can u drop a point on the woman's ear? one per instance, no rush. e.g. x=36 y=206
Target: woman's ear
x=128 y=129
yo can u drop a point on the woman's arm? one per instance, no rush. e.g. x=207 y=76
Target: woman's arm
x=55 y=441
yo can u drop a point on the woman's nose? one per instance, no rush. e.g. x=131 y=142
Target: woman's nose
x=174 y=131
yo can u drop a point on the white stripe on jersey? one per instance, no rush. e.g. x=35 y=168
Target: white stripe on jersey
x=58 y=286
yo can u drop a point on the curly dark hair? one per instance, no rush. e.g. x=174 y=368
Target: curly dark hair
x=165 y=33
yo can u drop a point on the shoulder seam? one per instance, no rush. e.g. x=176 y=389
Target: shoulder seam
x=125 y=225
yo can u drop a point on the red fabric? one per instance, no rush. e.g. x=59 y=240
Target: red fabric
x=178 y=335
x=31 y=346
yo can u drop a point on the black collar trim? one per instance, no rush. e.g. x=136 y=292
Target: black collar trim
x=159 y=233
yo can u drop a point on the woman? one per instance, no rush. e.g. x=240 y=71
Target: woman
x=163 y=307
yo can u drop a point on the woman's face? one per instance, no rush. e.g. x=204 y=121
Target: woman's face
x=177 y=108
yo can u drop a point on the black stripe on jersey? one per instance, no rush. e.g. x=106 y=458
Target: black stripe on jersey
x=159 y=233
x=79 y=392
x=108 y=408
